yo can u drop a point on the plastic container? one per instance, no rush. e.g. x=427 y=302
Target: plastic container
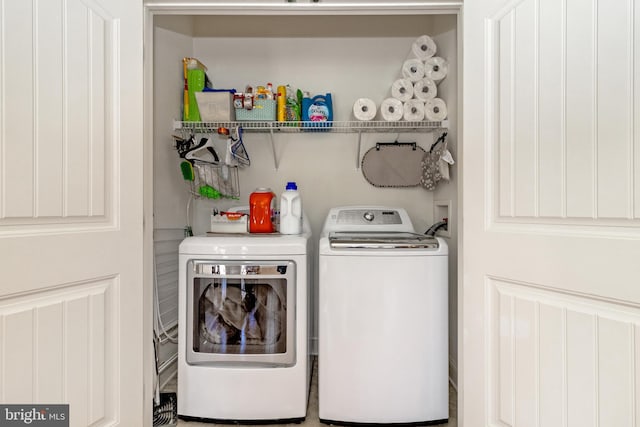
x=291 y=210
x=263 y=110
x=195 y=81
x=261 y=211
x=317 y=112
x=216 y=106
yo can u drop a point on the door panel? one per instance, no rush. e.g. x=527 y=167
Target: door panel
x=563 y=108
x=70 y=207
x=578 y=139
x=560 y=352
x=69 y=332
x=551 y=306
x=60 y=137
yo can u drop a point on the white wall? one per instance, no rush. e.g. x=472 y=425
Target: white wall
x=349 y=56
x=350 y=60
x=169 y=198
x=444 y=34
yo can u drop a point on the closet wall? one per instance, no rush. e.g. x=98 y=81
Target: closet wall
x=446 y=195
x=349 y=56
x=169 y=198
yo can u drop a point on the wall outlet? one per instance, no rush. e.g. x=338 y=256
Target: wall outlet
x=442 y=210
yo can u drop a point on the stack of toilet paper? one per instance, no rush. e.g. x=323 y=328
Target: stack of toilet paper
x=414 y=95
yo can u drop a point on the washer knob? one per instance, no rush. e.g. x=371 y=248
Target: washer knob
x=368 y=216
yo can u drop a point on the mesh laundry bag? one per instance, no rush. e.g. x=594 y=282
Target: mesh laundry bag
x=393 y=165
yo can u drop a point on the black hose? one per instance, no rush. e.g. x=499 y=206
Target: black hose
x=435 y=227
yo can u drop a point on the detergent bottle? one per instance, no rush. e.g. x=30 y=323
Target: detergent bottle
x=261 y=211
x=291 y=210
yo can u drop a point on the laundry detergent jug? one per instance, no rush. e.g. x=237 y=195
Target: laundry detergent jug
x=261 y=203
x=290 y=210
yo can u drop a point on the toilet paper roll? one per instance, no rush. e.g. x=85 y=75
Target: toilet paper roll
x=413 y=69
x=364 y=109
x=413 y=110
x=436 y=68
x=424 y=47
x=435 y=110
x=425 y=89
x=402 y=89
x=391 y=109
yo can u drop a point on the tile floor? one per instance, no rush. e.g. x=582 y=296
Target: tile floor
x=312 y=419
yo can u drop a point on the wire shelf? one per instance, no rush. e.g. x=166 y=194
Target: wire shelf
x=306 y=126
x=274 y=128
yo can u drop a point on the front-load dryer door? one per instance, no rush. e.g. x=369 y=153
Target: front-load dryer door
x=241 y=313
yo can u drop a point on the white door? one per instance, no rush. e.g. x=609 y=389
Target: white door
x=71 y=208
x=551 y=214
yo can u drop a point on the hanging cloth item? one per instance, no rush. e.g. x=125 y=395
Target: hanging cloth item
x=432 y=167
x=238 y=151
x=445 y=161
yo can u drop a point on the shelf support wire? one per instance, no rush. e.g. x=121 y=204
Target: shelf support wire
x=273 y=147
x=358 y=156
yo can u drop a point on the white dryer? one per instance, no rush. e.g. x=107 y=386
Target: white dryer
x=243 y=330
x=383 y=344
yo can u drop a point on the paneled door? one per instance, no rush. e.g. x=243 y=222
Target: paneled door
x=551 y=214
x=71 y=208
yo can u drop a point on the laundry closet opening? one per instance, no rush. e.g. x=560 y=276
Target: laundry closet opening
x=350 y=56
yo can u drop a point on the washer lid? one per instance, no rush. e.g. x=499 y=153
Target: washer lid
x=381 y=240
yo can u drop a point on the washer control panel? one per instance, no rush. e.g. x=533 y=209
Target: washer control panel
x=368 y=217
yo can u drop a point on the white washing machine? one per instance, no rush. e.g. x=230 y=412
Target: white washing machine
x=243 y=327
x=383 y=344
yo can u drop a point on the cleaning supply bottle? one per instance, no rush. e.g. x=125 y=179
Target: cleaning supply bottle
x=281 y=103
x=261 y=211
x=291 y=210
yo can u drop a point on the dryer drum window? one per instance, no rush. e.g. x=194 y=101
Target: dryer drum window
x=241 y=313
x=240 y=316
